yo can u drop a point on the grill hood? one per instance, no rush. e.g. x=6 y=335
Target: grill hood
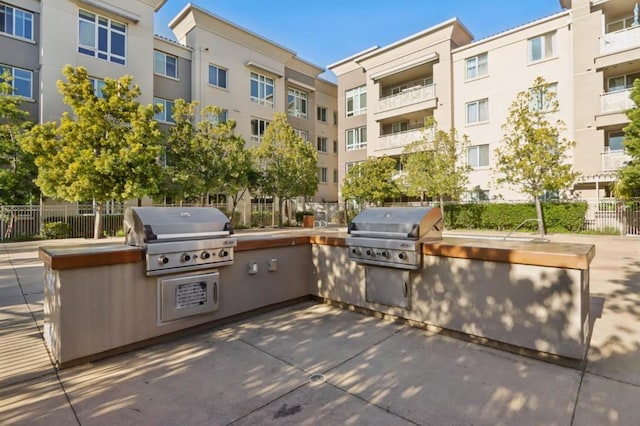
x=148 y=225
x=408 y=223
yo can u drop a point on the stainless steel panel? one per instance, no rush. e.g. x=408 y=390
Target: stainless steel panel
x=398 y=222
x=388 y=286
x=187 y=295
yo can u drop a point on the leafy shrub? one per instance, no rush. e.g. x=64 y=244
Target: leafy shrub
x=55 y=230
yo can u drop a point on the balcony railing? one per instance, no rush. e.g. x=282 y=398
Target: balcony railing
x=620 y=40
x=613 y=160
x=616 y=101
x=408 y=96
x=399 y=140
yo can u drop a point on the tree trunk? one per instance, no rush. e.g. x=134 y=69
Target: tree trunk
x=97 y=226
x=280 y=201
x=540 y=218
x=442 y=210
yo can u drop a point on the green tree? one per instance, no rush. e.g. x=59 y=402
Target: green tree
x=287 y=164
x=371 y=181
x=434 y=166
x=206 y=156
x=628 y=184
x=17 y=169
x=533 y=157
x=105 y=149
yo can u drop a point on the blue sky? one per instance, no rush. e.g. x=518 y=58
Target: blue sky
x=326 y=31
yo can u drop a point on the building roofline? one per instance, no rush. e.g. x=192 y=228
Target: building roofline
x=168 y=40
x=190 y=6
x=352 y=57
x=513 y=30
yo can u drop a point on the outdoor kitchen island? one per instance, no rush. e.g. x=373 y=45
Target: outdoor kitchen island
x=517 y=295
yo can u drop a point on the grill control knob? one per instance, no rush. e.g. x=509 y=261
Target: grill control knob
x=355 y=251
x=385 y=254
x=185 y=257
x=402 y=256
x=370 y=253
x=205 y=255
x=224 y=253
x=163 y=260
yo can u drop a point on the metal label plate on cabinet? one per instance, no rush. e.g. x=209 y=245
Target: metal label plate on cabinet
x=187 y=295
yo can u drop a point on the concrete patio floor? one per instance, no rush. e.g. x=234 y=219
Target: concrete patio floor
x=318 y=364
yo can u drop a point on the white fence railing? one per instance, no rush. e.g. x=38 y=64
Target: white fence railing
x=408 y=96
x=616 y=101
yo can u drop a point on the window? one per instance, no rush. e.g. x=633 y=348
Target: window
x=351 y=165
x=258 y=127
x=16 y=22
x=478 y=195
x=218 y=77
x=219 y=117
x=297 y=103
x=102 y=37
x=261 y=89
x=621 y=82
x=321 y=113
x=302 y=134
x=542 y=47
x=164 y=64
x=478 y=156
x=615 y=141
x=166 y=115
x=335 y=147
x=398 y=90
x=478 y=111
x=356 y=138
x=356 y=101
x=322 y=144
x=21 y=81
x=620 y=24
x=540 y=102
x=335 y=118
x=477 y=66
x=97 y=86
x=400 y=127
x=322 y=174
x=335 y=175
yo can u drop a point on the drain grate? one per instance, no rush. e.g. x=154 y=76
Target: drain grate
x=316 y=379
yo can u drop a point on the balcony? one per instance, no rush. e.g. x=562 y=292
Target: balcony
x=409 y=96
x=398 y=140
x=614 y=160
x=616 y=101
x=620 y=40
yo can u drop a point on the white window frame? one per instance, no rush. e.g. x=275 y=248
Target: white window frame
x=475 y=195
x=97 y=84
x=547 y=42
x=297 y=103
x=322 y=144
x=614 y=133
x=262 y=125
x=628 y=81
x=474 y=156
x=19 y=18
x=402 y=126
x=321 y=113
x=537 y=103
x=219 y=118
x=303 y=134
x=161 y=64
x=358 y=138
x=477 y=107
x=19 y=74
x=323 y=174
x=219 y=72
x=263 y=83
x=166 y=115
x=357 y=96
x=100 y=25
x=476 y=66
x=627 y=22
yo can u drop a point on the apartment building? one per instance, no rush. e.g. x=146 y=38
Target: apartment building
x=251 y=78
x=589 y=54
x=214 y=62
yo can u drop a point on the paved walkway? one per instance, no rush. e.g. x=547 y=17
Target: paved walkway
x=316 y=364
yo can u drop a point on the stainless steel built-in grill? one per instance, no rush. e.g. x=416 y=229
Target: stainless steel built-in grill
x=180 y=239
x=393 y=236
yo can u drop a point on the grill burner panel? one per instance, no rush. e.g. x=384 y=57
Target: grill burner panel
x=180 y=239
x=393 y=236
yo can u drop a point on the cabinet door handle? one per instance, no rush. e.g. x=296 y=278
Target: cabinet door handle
x=406 y=289
x=215 y=292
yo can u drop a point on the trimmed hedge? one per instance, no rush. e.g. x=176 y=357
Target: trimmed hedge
x=558 y=217
x=81 y=226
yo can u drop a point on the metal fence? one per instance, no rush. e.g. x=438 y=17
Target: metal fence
x=77 y=221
